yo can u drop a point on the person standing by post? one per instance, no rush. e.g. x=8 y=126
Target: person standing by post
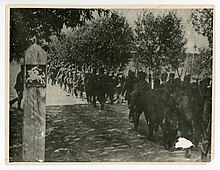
x=19 y=86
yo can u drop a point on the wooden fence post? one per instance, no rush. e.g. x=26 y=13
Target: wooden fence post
x=34 y=118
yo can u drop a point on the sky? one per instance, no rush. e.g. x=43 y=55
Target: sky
x=192 y=36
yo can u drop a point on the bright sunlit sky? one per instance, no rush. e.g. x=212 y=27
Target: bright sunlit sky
x=192 y=36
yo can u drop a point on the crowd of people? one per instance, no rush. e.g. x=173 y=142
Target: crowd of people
x=92 y=84
x=175 y=105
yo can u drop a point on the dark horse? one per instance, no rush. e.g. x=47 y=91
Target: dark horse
x=174 y=111
x=154 y=104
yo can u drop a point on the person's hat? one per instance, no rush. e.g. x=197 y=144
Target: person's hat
x=164 y=75
x=187 y=77
x=171 y=75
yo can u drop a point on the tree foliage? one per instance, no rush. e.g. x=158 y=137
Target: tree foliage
x=160 y=40
x=202 y=63
x=26 y=23
x=202 y=20
x=104 y=42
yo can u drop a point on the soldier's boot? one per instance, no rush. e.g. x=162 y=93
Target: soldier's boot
x=150 y=129
x=111 y=99
x=131 y=117
x=88 y=98
x=81 y=94
x=136 y=117
x=94 y=102
x=188 y=153
x=75 y=92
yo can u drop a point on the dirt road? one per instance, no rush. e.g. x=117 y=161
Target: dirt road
x=78 y=132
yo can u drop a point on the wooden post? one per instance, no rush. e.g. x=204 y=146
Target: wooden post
x=34 y=119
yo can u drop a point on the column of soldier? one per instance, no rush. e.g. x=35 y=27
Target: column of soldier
x=169 y=97
x=75 y=81
x=91 y=83
x=172 y=104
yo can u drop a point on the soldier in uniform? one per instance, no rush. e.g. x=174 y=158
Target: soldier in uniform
x=187 y=86
x=128 y=88
x=164 y=80
x=59 y=76
x=149 y=79
x=87 y=84
x=52 y=74
x=119 y=87
x=80 y=83
x=156 y=83
x=93 y=86
x=140 y=88
x=205 y=88
x=65 y=79
x=19 y=86
x=170 y=83
x=102 y=82
x=112 y=83
x=75 y=84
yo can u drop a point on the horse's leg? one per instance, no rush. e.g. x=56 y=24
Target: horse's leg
x=151 y=128
x=149 y=123
x=88 y=96
x=131 y=112
x=101 y=100
x=75 y=92
x=137 y=113
x=166 y=136
x=94 y=101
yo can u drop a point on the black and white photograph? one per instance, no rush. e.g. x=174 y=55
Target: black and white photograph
x=110 y=84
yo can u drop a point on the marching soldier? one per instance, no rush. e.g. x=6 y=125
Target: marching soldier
x=187 y=87
x=128 y=88
x=164 y=80
x=119 y=87
x=156 y=83
x=139 y=89
x=102 y=82
x=93 y=86
x=112 y=83
x=171 y=83
x=19 y=86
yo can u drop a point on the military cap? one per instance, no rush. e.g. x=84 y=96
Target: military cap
x=172 y=75
x=164 y=76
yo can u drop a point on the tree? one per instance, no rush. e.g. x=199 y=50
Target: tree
x=146 y=40
x=26 y=23
x=172 y=40
x=202 y=20
x=160 y=40
x=202 y=63
x=103 y=42
x=110 y=41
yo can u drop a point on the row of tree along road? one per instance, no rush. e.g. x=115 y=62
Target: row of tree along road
x=103 y=38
